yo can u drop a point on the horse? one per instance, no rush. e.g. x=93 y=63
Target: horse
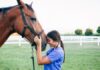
x=11 y=21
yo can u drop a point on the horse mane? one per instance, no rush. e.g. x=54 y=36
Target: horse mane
x=5 y=9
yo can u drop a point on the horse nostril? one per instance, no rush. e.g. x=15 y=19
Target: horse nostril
x=44 y=46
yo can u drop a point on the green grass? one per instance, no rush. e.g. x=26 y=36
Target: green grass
x=85 y=57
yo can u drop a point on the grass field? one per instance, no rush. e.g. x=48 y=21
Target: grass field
x=85 y=57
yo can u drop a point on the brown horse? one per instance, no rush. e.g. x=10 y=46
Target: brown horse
x=11 y=21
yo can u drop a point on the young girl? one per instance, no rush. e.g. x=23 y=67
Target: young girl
x=55 y=55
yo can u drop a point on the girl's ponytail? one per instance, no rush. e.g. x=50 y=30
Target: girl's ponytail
x=62 y=45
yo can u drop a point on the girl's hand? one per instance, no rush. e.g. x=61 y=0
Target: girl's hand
x=37 y=40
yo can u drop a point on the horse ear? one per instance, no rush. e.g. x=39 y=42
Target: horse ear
x=31 y=4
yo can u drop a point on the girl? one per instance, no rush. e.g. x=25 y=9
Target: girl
x=55 y=55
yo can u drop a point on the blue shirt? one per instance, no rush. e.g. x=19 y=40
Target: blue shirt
x=56 y=56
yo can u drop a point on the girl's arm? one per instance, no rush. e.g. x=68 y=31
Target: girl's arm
x=40 y=59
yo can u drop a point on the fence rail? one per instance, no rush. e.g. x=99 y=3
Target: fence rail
x=16 y=40
x=81 y=39
x=67 y=39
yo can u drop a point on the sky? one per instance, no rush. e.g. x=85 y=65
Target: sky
x=64 y=15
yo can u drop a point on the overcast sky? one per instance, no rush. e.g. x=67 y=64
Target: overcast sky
x=64 y=15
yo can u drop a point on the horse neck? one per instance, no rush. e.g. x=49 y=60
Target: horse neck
x=5 y=31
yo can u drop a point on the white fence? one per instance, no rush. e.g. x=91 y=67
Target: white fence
x=67 y=39
x=16 y=40
x=81 y=39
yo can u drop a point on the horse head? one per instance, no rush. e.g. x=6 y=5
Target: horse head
x=28 y=29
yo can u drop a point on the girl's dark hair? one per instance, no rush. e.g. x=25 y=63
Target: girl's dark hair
x=55 y=35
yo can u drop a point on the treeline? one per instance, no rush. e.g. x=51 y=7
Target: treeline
x=88 y=32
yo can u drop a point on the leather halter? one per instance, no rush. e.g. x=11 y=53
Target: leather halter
x=26 y=26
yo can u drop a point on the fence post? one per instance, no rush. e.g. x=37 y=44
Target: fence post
x=19 y=41
x=80 y=40
x=98 y=41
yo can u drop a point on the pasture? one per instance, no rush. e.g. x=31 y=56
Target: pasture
x=85 y=57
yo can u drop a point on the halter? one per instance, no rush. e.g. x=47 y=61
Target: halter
x=26 y=26
x=30 y=28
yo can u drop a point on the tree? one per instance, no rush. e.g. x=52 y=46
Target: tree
x=78 y=32
x=88 y=32
x=98 y=29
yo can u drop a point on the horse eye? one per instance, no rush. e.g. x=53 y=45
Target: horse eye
x=33 y=19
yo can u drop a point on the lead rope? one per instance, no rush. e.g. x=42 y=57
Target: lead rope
x=33 y=57
x=33 y=62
